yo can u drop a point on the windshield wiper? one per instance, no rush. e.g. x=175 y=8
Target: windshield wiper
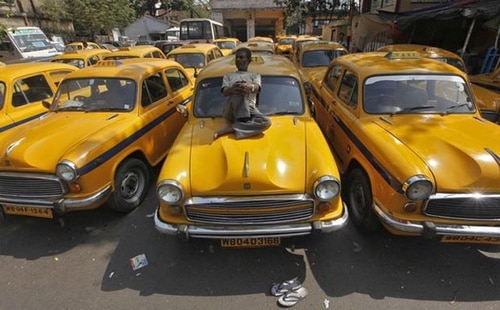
x=71 y=108
x=455 y=106
x=415 y=108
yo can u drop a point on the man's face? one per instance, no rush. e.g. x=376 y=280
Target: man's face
x=242 y=61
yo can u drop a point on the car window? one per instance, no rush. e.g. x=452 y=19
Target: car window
x=93 y=60
x=31 y=89
x=189 y=60
x=348 y=89
x=417 y=94
x=176 y=79
x=153 y=89
x=157 y=54
x=320 y=58
x=332 y=77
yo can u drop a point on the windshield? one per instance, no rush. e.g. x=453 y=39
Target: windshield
x=30 y=40
x=189 y=60
x=279 y=95
x=79 y=63
x=320 y=58
x=226 y=44
x=399 y=94
x=95 y=94
x=286 y=41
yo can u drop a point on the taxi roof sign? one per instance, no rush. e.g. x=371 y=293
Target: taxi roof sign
x=108 y=63
x=402 y=55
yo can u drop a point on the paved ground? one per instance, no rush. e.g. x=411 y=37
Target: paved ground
x=86 y=265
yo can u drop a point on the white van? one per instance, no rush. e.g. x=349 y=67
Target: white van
x=24 y=43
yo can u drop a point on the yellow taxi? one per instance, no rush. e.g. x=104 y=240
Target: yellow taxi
x=138 y=51
x=488 y=101
x=107 y=126
x=414 y=153
x=253 y=191
x=315 y=56
x=257 y=48
x=294 y=52
x=195 y=56
x=81 y=45
x=22 y=89
x=488 y=80
x=226 y=44
x=283 y=46
x=81 y=58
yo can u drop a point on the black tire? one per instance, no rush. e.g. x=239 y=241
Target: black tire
x=359 y=201
x=131 y=186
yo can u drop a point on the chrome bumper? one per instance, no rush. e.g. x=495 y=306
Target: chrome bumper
x=62 y=205
x=222 y=232
x=430 y=229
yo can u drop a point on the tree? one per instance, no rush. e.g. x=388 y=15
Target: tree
x=91 y=17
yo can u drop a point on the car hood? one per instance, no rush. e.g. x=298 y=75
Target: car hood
x=47 y=140
x=461 y=151
x=272 y=162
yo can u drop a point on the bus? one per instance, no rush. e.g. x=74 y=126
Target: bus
x=172 y=34
x=24 y=43
x=201 y=29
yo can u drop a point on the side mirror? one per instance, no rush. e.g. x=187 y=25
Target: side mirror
x=46 y=104
x=308 y=88
x=181 y=108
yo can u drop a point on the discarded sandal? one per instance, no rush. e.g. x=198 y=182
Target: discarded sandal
x=293 y=297
x=279 y=289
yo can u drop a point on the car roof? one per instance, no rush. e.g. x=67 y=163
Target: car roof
x=322 y=45
x=20 y=69
x=194 y=48
x=262 y=64
x=424 y=50
x=81 y=53
x=135 y=68
x=138 y=50
x=379 y=63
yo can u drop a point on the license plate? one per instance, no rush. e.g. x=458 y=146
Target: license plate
x=29 y=211
x=471 y=239
x=250 y=242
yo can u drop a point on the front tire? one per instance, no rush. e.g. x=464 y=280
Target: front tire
x=359 y=200
x=132 y=181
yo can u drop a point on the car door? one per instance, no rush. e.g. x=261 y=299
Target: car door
x=158 y=110
x=26 y=94
x=323 y=97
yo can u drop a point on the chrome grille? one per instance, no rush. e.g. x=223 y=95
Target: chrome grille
x=248 y=212
x=464 y=206
x=30 y=185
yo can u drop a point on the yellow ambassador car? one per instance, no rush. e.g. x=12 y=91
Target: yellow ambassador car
x=412 y=148
x=226 y=45
x=81 y=58
x=195 y=56
x=284 y=45
x=107 y=126
x=253 y=191
x=488 y=101
x=315 y=56
x=138 y=51
x=22 y=89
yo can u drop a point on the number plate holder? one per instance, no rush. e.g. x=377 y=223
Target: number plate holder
x=29 y=211
x=250 y=242
x=471 y=239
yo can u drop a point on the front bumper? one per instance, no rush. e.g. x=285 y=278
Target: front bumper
x=62 y=205
x=430 y=229
x=253 y=231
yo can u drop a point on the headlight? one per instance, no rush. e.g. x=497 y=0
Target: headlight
x=326 y=188
x=170 y=192
x=417 y=187
x=67 y=171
